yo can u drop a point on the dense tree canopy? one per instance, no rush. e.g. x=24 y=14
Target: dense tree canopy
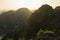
x=57 y=20
x=39 y=20
x=21 y=23
x=14 y=20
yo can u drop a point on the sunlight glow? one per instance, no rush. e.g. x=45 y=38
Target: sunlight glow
x=31 y=4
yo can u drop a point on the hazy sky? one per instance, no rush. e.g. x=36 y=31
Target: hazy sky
x=31 y=4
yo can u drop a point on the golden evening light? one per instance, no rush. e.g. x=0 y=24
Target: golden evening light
x=31 y=4
x=29 y=19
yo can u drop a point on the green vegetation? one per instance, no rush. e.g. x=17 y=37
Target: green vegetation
x=23 y=24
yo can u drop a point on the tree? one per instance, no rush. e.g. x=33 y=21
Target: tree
x=5 y=21
x=48 y=36
x=15 y=22
x=39 y=19
x=57 y=20
x=22 y=15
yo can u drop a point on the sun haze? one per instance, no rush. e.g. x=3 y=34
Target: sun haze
x=31 y=4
